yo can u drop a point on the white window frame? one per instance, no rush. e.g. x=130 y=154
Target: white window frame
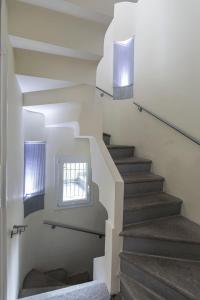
x=60 y=160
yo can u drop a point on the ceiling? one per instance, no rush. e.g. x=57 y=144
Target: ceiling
x=32 y=84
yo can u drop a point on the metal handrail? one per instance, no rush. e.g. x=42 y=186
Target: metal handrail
x=179 y=130
x=75 y=228
x=141 y=108
x=104 y=92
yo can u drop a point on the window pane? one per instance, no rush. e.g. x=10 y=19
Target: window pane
x=75 y=181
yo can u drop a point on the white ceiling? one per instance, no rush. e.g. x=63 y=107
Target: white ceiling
x=23 y=43
x=68 y=7
x=32 y=84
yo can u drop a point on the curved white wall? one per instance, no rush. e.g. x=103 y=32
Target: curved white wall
x=122 y=28
x=65 y=248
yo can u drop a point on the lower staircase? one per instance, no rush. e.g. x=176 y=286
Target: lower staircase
x=161 y=248
x=37 y=282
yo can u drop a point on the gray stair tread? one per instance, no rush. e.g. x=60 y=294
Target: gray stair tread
x=120 y=147
x=131 y=160
x=181 y=275
x=176 y=228
x=149 y=200
x=137 y=291
x=137 y=177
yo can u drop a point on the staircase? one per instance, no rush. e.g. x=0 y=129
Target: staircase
x=161 y=248
x=37 y=282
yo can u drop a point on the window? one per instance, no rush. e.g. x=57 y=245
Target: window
x=73 y=181
x=34 y=176
x=123 y=76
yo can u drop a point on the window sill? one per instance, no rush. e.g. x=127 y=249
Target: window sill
x=73 y=205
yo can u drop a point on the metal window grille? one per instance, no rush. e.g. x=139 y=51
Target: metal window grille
x=34 y=169
x=34 y=176
x=75 y=181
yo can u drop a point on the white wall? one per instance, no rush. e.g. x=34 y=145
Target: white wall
x=34 y=126
x=3 y=146
x=166 y=82
x=71 y=250
x=14 y=179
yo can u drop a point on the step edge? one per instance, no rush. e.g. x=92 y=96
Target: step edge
x=163 y=239
x=120 y=147
x=161 y=203
x=170 y=258
x=126 y=181
x=153 y=221
x=167 y=282
x=150 y=194
x=143 y=162
x=126 y=277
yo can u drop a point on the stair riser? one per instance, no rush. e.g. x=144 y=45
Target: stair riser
x=150 y=213
x=121 y=153
x=150 y=282
x=106 y=139
x=132 y=189
x=162 y=248
x=129 y=168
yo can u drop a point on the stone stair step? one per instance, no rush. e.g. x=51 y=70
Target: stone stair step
x=150 y=206
x=37 y=279
x=169 y=278
x=142 y=182
x=174 y=236
x=132 y=164
x=59 y=274
x=133 y=290
x=121 y=151
x=78 y=278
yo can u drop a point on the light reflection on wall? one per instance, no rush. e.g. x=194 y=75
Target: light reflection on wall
x=123 y=69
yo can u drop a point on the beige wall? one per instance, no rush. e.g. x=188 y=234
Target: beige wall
x=166 y=82
x=3 y=116
x=167 y=60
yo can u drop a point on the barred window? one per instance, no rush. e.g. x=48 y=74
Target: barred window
x=73 y=182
